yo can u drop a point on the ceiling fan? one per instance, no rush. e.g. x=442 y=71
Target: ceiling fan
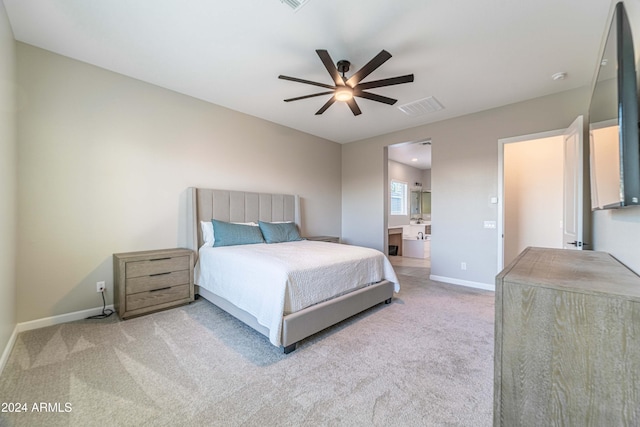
x=346 y=89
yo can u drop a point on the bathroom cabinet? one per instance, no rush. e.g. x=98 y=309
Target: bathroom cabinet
x=395 y=239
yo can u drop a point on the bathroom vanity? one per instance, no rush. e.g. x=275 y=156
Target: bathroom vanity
x=412 y=240
x=395 y=240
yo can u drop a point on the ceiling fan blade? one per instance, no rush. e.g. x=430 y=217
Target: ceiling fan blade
x=309 y=82
x=369 y=67
x=308 y=96
x=325 y=106
x=330 y=66
x=374 y=97
x=354 y=107
x=386 y=82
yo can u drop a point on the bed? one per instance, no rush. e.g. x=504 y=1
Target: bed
x=255 y=282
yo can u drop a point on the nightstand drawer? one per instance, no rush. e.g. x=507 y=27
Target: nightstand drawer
x=156 y=281
x=156 y=266
x=147 y=281
x=157 y=297
x=330 y=239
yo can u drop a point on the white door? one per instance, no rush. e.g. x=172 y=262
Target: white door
x=573 y=171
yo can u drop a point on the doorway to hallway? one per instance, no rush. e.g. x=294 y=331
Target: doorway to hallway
x=533 y=173
x=541 y=181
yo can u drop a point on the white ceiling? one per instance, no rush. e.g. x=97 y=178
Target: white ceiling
x=470 y=54
x=415 y=153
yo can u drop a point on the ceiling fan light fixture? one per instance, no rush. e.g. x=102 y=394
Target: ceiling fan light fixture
x=344 y=93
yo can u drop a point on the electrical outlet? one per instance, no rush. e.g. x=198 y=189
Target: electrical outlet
x=463 y=266
x=100 y=286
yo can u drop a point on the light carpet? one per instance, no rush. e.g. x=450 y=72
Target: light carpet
x=426 y=359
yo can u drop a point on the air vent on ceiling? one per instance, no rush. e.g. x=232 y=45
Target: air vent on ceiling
x=294 y=4
x=421 y=106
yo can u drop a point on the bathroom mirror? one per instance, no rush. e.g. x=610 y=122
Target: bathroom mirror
x=426 y=202
x=420 y=202
x=416 y=202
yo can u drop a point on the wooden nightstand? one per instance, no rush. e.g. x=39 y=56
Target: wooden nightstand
x=152 y=280
x=330 y=239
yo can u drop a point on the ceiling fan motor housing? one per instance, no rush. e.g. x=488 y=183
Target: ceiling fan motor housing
x=343 y=66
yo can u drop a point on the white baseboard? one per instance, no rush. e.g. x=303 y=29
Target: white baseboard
x=42 y=323
x=467 y=283
x=8 y=348
x=61 y=318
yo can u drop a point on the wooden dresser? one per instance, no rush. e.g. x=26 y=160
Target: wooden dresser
x=152 y=280
x=567 y=341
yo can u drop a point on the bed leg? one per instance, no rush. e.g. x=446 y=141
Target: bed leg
x=288 y=349
x=387 y=301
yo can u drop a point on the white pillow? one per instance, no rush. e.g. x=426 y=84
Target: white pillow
x=207 y=231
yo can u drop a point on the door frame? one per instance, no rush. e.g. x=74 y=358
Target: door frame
x=575 y=130
x=501 y=143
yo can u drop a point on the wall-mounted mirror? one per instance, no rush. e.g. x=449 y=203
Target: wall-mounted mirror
x=416 y=202
x=426 y=202
x=420 y=202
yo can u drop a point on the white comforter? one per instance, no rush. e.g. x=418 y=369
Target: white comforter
x=272 y=280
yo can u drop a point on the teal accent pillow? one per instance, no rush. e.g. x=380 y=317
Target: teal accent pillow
x=229 y=234
x=278 y=232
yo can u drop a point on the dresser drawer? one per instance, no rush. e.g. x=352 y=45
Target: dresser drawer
x=157 y=297
x=156 y=266
x=156 y=281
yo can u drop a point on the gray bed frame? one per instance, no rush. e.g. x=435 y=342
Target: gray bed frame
x=238 y=206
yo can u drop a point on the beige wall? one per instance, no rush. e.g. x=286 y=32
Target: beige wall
x=464 y=176
x=8 y=180
x=533 y=176
x=617 y=231
x=104 y=164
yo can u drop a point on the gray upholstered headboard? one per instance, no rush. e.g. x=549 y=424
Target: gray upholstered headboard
x=237 y=206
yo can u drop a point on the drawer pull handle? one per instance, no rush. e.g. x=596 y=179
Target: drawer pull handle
x=161 y=289
x=159 y=274
x=160 y=259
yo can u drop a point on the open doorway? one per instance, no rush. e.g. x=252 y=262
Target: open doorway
x=533 y=193
x=542 y=184
x=409 y=203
